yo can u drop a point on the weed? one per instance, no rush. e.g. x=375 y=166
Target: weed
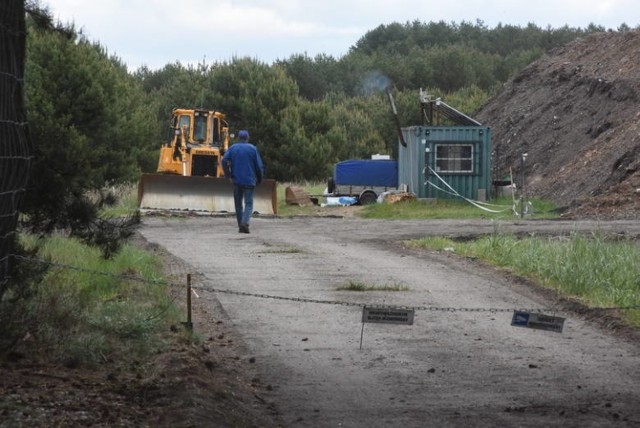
x=126 y=201
x=361 y=286
x=289 y=250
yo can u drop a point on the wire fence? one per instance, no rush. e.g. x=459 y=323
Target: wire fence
x=15 y=147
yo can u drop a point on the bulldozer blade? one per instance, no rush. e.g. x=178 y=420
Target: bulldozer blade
x=194 y=193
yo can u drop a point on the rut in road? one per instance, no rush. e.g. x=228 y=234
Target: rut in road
x=447 y=369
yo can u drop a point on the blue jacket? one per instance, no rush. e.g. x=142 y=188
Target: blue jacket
x=242 y=164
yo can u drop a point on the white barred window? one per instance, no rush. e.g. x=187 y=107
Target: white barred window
x=454 y=158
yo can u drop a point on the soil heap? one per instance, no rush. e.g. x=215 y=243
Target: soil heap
x=575 y=113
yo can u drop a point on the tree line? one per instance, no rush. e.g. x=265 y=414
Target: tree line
x=95 y=123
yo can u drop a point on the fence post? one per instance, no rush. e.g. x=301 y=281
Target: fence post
x=189 y=323
x=523 y=195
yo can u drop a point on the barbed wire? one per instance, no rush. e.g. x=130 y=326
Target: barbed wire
x=205 y=287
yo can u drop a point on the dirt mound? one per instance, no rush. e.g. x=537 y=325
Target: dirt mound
x=575 y=113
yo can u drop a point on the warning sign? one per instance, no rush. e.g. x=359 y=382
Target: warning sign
x=537 y=321
x=388 y=315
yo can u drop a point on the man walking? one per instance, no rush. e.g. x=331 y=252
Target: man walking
x=243 y=165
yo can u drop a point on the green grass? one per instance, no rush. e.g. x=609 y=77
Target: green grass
x=312 y=188
x=591 y=269
x=436 y=209
x=361 y=286
x=80 y=316
x=127 y=201
x=454 y=209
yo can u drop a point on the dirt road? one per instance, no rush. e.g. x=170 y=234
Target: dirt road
x=450 y=368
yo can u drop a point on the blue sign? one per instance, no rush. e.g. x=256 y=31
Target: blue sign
x=537 y=321
x=520 y=319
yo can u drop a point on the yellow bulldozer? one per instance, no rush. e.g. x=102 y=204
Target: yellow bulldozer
x=190 y=177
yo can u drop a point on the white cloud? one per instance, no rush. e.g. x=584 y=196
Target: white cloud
x=157 y=32
x=250 y=22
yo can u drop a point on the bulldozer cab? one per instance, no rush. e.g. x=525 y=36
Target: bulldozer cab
x=196 y=145
x=200 y=127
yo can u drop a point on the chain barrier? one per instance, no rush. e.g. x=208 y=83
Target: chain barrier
x=204 y=287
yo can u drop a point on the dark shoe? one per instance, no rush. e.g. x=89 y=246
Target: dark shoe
x=244 y=228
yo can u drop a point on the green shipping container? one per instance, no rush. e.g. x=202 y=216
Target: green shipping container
x=446 y=162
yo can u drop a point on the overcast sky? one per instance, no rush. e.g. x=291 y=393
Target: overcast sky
x=158 y=32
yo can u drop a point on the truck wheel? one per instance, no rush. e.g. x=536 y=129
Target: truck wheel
x=367 y=198
x=331 y=185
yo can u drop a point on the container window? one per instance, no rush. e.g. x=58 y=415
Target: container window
x=454 y=158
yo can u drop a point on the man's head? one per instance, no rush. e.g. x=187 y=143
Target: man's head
x=243 y=135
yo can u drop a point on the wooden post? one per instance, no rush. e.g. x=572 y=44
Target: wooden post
x=189 y=323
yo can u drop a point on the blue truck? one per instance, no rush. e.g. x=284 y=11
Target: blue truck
x=364 y=180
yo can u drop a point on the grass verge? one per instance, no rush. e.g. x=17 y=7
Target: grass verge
x=94 y=312
x=596 y=271
x=454 y=209
x=436 y=209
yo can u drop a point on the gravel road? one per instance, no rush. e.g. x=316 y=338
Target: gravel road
x=456 y=368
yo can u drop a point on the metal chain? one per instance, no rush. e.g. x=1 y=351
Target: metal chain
x=309 y=300
x=369 y=305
